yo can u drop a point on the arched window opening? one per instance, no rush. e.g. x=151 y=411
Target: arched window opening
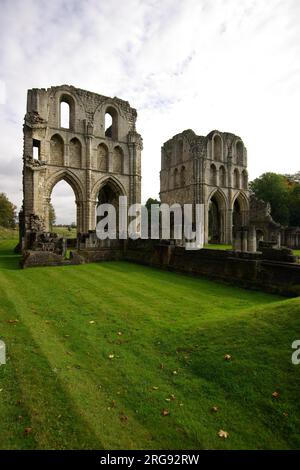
x=217 y=148
x=180 y=151
x=245 y=179
x=176 y=179
x=236 y=179
x=65 y=115
x=108 y=194
x=56 y=150
x=259 y=237
x=236 y=217
x=62 y=211
x=118 y=160
x=182 y=177
x=111 y=123
x=213 y=175
x=239 y=153
x=36 y=149
x=75 y=153
x=102 y=158
x=222 y=177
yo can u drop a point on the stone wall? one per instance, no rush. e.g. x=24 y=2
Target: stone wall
x=250 y=270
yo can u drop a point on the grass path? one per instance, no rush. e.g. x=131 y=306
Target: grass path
x=61 y=382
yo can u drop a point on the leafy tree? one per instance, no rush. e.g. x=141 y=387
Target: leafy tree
x=52 y=216
x=149 y=203
x=275 y=189
x=7 y=212
x=295 y=205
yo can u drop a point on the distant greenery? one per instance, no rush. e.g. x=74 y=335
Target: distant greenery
x=96 y=353
x=52 y=216
x=212 y=246
x=8 y=233
x=283 y=194
x=66 y=231
x=7 y=212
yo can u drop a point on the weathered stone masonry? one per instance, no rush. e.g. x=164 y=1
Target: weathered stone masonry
x=84 y=154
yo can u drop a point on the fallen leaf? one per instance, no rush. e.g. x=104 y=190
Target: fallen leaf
x=173 y=397
x=111 y=356
x=275 y=394
x=91 y=322
x=13 y=321
x=27 y=430
x=215 y=409
x=155 y=388
x=168 y=399
x=227 y=357
x=120 y=333
x=223 y=434
x=285 y=413
x=123 y=417
x=165 y=412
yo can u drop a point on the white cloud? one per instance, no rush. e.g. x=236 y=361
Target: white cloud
x=200 y=64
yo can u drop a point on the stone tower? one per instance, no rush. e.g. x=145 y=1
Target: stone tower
x=209 y=170
x=99 y=161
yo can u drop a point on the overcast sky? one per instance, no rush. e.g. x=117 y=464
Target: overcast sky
x=231 y=65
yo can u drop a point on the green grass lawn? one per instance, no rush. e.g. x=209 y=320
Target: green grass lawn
x=96 y=352
x=65 y=232
x=212 y=246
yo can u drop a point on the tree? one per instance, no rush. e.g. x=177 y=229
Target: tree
x=52 y=216
x=7 y=212
x=295 y=205
x=275 y=189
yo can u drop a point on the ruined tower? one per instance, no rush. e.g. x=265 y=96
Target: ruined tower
x=209 y=170
x=99 y=161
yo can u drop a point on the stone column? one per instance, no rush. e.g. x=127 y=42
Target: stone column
x=252 y=245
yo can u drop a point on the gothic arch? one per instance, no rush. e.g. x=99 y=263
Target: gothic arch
x=75 y=183
x=67 y=176
x=216 y=217
x=57 y=150
x=243 y=200
x=111 y=180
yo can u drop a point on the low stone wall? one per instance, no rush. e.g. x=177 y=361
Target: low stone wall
x=31 y=259
x=248 y=270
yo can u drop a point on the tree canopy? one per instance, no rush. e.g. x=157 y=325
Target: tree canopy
x=7 y=212
x=283 y=194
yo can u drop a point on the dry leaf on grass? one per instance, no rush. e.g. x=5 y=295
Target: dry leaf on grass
x=123 y=417
x=227 y=357
x=215 y=409
x=275 y=394
x=28 y=430
x=223 y=434
x=111 y=356
x=165 y=412
x=13 y=321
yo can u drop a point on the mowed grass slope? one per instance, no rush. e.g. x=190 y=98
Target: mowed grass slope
x=100 y=350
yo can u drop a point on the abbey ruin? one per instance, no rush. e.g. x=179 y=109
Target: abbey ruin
x=99 y=162
x=97 y=151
